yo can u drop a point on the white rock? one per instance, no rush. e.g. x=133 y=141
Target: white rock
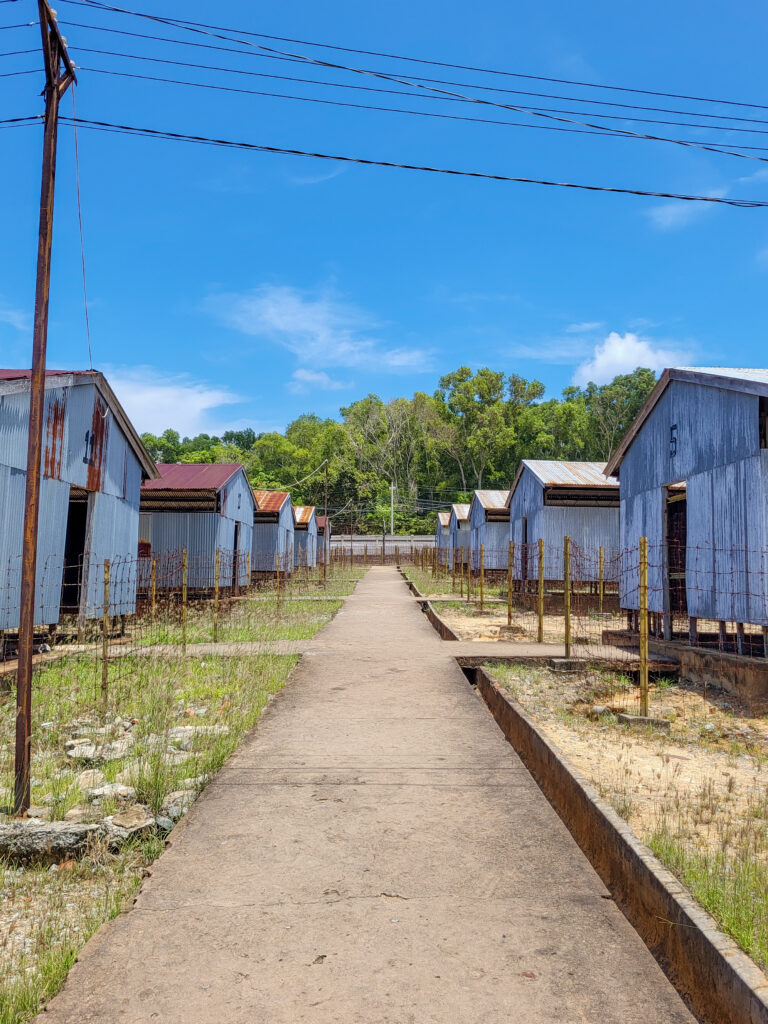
x=90 y=779
x=177 y=804
x=112 y=791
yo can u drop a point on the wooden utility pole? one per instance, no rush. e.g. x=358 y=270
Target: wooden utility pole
x=326 y=531
x=59 y=75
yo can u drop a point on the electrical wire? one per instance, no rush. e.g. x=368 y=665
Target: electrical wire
x=80 y=223
x=398 y=110
x=109 y=126
x=439 y=81
x=417 y=60
x=430 y=88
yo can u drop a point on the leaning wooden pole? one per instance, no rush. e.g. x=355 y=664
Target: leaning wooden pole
x=59 y=75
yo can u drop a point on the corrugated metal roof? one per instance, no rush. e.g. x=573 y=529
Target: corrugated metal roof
x=188 y=476
x=757 y=376
x=302 y=514
x=270 y=501
x=554 y=472
x=492 y=499
x=444 y=518
x=461 y=510
x=321 y=522
x=11 y=374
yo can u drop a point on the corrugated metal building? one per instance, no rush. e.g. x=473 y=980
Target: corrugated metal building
x=551 y=500
x=489 y=526
x=323 y=537
x=272 y=531
x=93 y=466
x=198 y=508
x=693 y=478
x=459 y=534
x=305 y=535
x=443 y=536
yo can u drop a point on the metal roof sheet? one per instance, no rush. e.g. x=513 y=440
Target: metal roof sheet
x=190 y=476
x=753 y=381
x=461 y=510
x=321 y=522
x=270 y=501
x=302 y=514
x=444 y=518
x=553 y=473
x=492 y=499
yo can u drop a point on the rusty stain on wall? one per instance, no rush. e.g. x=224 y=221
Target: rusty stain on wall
x=54 y=438
x=96 y=445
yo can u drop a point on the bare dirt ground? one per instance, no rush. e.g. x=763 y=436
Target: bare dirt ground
x=707 y=774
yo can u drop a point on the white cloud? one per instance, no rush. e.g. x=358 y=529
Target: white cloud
x=759 y=176
x=303 y=381
x=316 y=179
x=623 y=353
x=154 y=401
x=679 y=213
x=319 y=330
x=586 y=327
x=15 y=318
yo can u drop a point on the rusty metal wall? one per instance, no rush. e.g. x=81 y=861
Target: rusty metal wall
x=54 y=501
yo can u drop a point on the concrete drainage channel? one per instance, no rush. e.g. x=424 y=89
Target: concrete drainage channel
x=719 y=981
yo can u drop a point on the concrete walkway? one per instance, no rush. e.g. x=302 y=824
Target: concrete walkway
x=375 y=852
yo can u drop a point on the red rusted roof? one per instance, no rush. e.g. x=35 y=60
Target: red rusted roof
x=190 y=476
x=302 y=514
x=270 y=501
x=322 y=522
x=492 y=499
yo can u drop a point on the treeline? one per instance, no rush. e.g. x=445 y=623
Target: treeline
x=471 y=433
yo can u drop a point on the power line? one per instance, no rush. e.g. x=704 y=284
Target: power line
x=418 y=60
x=439 y=81
x=623 y=132
x=396 y=110
x=108 y=126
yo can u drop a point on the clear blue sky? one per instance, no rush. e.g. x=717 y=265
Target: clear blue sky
x=229 y=288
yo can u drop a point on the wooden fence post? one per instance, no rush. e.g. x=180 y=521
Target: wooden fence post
x=540 y=631
x=184 y=601
x=567 y=593
x=216 y=596
x=154 y=587
x=482 y=576
x=644 y=626
x=105 y=632
x=277 y=578
x=601 y=580
x=461 y=573
x=510 y=579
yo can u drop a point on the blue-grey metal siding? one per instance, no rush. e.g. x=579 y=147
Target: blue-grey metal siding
x=493 y=536
x=274 y=539
x=707 y=437
x=305 y=544
x=67 y=460
x=589 y=529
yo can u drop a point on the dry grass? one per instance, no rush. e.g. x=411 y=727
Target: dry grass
x=697 y=795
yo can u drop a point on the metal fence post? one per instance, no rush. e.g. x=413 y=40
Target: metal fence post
x=277 y=578
x=461 y=571
x=216 y=596
x=105 y=632
x=601 y=581
x=567 y=593
x=644 y=626
x=154 y=588
x=184 y=601
x=540 y=630
x=247 y=570
x=482 y=576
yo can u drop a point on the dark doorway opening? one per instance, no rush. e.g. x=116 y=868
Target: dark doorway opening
x=74 y=549
x=236 y=558
x=677 y=536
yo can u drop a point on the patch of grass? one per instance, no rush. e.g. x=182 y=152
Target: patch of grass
x=46 y=916
x=731 y=884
